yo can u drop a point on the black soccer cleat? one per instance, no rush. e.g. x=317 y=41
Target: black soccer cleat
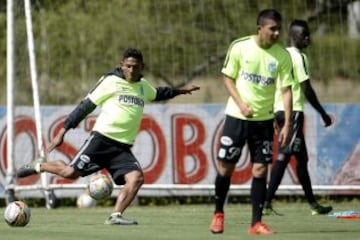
x=118 y=219
x=317 y=209
x=32 y=168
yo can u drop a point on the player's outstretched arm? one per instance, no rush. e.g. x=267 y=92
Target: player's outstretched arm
x=165 y=93
x=188 y=89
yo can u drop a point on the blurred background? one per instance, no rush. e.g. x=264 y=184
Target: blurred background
x=183 y=42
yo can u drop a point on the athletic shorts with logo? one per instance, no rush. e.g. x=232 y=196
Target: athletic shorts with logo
x=297 y=142
x=100 y=152
x=259 y=135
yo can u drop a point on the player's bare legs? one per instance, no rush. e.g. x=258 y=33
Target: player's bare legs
x=59 y=168
x=134 y=180
x=259 y=170
x=56 y=167
x=225 y=168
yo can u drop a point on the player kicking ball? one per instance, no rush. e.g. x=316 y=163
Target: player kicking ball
x=121 y=94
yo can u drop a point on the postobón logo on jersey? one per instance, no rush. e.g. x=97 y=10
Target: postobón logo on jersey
x=257 y=79
x=84 y=160
x=132 y=100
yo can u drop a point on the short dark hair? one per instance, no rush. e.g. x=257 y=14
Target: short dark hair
x=133 y=52
x=298 y=23
x=268 y=14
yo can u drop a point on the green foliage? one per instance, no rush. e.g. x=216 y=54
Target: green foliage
x=334 y=56
x=77 y=41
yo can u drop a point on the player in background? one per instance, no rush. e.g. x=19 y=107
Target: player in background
x=250 y=70
x=121 y=94
x=299 y=39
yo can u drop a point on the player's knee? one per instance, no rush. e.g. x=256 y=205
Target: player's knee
x=139 y=180
x=135 y=179
x=70 y=173
x=259 y=170
x=226 y=168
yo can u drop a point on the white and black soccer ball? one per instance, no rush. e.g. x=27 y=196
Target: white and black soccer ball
x=100 y=186
x=17 y=214
x=85 y=201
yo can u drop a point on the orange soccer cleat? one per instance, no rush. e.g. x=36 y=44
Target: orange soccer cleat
x=217 y=223
x=260 y=228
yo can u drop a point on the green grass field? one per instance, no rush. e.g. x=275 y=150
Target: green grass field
x=182 y=222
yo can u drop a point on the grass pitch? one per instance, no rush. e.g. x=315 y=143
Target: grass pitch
x=182 y=222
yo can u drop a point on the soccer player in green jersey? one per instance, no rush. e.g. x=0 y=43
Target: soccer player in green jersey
x=299 y=39
x=121 y=94
x=250 y=70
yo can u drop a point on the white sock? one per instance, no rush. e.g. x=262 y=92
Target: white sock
x=116 y=214
x=37 y=167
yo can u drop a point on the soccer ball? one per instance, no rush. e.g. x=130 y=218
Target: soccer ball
x=17 y=214
x=85 y=201
x=99 y=187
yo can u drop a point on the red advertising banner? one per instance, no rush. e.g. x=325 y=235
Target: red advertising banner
x=176 y=144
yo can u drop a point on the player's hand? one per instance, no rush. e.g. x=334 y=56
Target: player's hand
x=189 y=90
x=57 y=140
x=246 y=110
x=285 y=136
x=328 y=119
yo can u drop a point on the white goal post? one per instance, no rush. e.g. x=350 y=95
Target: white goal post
x=10 y=175
x=49 y=195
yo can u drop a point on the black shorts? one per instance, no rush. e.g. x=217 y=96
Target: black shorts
x=259 y=135
x=297 y=143
x=99 y=152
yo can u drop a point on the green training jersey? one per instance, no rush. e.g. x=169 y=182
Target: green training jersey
x=255 y=71
x=301 y=74
x=122 y=105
